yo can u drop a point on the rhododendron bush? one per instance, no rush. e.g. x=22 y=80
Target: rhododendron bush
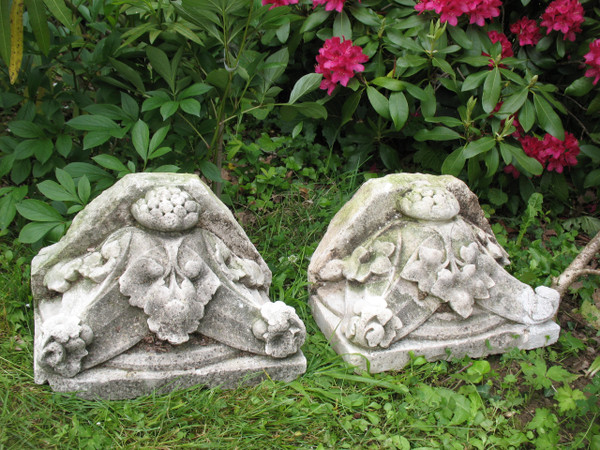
x=488 y=90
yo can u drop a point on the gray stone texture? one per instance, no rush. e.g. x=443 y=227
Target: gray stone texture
x=158 y=257
x=410 y=265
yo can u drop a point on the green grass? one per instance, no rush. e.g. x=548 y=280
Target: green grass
x=520 y=400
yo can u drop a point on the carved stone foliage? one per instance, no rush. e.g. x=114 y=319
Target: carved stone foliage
x=167 y=261
x=411 y=254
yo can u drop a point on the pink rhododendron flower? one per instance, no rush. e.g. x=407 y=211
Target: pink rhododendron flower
x=551 y=152
x=330 y=5
x=565 y=16
x=592 y=59
x=451 y=10
x=561 y=153
x=507 y=50
x=275 y=3
x=512 y=170
x=479 y=10
x=337 y=61
x=527 y=31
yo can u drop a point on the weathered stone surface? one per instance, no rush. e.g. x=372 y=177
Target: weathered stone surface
x=410 y=264
x=159 y=257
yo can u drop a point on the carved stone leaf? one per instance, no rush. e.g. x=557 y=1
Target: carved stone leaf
x=424 y=266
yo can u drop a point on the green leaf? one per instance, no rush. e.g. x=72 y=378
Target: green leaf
x=429 y=103
x=314 y=20
x=389 y=157
x=311 y=109
x=194 y=90
x=474 y=80
x=190 y=106
x=159 y=152
x=580 y=87
x=398 y=109
x=55 y=191
x=557 y=373
x=158 y=138
x=276 y=64
x=398 y=38
x=84 y=189
x=479 y=146
x=140 y=137
x=567 y=398
x=365 y=15
x=411 y=61
x=475 y=61
x=497 y=197
x=93 y=172
x=547 y=118
x=210 y=171
x=94 y=122
x=33 y=232
x=59 y=10
x=5 y=31
x=437 y=134
x=23 y=150
x=304 y=85
x=592 y=179
x=492 y=161
x=444 y=65
x=491 y=90
x=527 y=115
x=186 y=32
x=42 y=149
x=342 y=27
x=65 y=179
x=129 y=74
x=168 y=109
x=8 y=204
x=156 y=101
x=160 y=62
x=25 y=129
x=379 y=102
x=111 y=163
x=39 y=24
x=460 y=37
x=389 y=83
x=349 y=107
x=38 y=211
x=95 y=138
x=454 y=162
x=514 y=102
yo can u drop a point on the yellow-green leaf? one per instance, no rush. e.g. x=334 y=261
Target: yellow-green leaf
x=16 y=39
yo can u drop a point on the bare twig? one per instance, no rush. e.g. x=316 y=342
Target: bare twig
x=578 y=266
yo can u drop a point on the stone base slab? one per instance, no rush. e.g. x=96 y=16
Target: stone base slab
x=110 y=383
x=499 y=340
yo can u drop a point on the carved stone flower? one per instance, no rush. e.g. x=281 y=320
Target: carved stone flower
x=64 y=345
x=373 y=325
x=172 y=287
x=364 y=263
x=280 y=328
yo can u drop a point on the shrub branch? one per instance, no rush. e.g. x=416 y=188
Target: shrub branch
x=578 y=266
